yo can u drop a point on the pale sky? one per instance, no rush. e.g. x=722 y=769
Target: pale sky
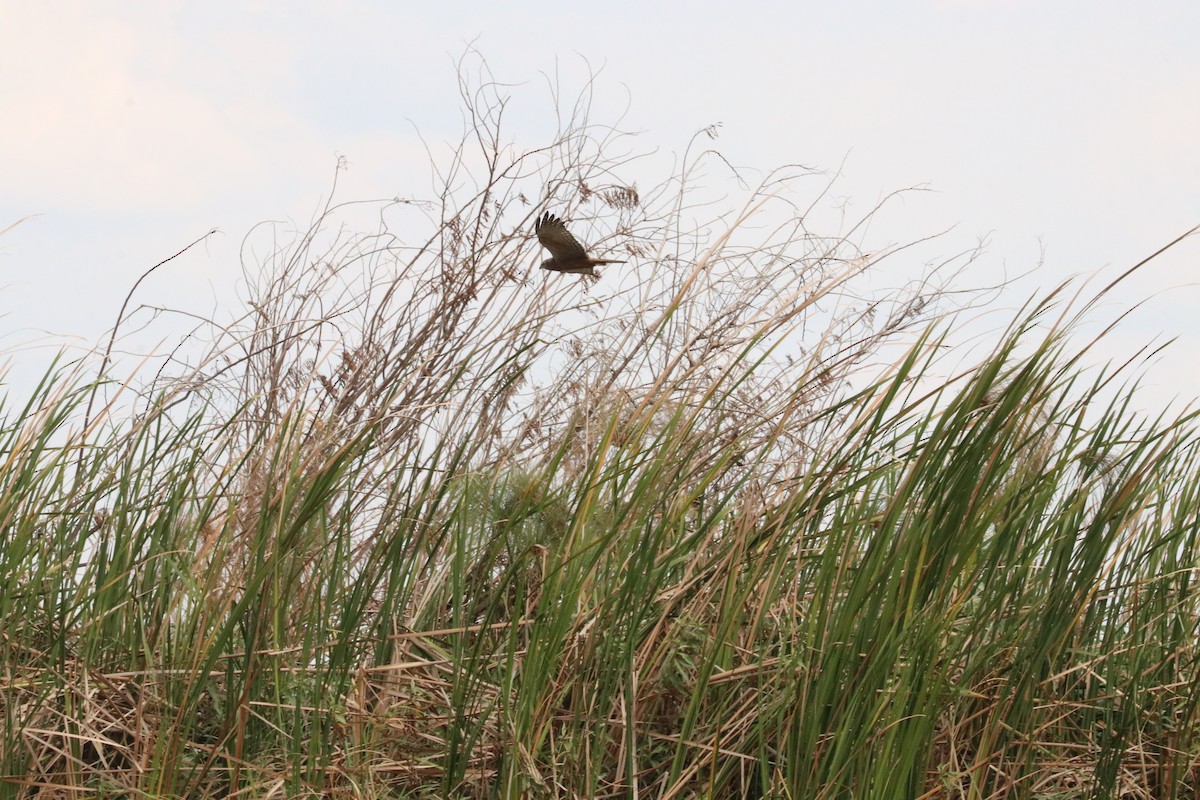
x=1069 y=130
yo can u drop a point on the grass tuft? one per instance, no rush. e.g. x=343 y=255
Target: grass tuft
x=425 y=522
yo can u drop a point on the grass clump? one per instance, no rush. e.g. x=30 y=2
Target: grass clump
x=426 y=523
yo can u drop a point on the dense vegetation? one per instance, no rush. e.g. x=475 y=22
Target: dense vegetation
x=425 y=522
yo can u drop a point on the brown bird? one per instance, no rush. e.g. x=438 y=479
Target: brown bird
x=566 y=253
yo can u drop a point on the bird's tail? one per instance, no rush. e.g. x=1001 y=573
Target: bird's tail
x=599 y=262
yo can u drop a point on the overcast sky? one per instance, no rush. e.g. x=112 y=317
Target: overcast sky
x=1068 y=131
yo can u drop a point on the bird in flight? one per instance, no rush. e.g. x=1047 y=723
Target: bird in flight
x=566 y=253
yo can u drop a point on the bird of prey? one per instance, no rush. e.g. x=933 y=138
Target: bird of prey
x=566 y=253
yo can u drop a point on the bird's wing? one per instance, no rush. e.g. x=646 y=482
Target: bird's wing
x=555 y=237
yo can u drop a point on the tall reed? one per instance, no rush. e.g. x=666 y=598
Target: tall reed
x=426 y=523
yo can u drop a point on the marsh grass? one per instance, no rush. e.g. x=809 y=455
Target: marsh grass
x=423 y=523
